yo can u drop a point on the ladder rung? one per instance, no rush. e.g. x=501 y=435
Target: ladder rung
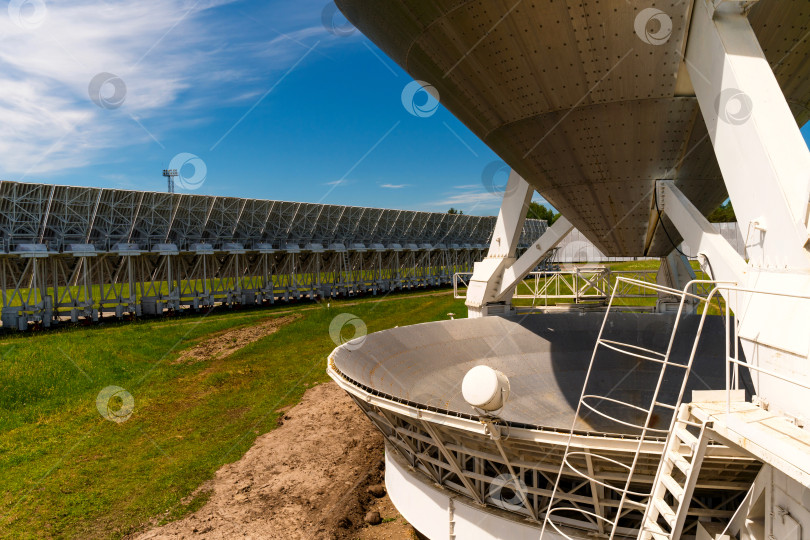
x=655 y=531
x=687 y=438
x=635 y=504
x=673 y=487
x=667 y=405
x=617 y=346
x=666 y=512
x=680 y=462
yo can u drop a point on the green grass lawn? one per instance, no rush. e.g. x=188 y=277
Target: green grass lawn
x=69 y=472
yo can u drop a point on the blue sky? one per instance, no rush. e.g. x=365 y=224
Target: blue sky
x=272 y=103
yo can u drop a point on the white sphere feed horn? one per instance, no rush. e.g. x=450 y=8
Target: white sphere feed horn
x=485 y=388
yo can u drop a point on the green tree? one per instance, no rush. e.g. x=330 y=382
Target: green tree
x=454 y=211
x=538 y=211
x=723 y=213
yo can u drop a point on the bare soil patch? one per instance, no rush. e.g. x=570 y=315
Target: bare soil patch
x=222 y=344
x=308 y=478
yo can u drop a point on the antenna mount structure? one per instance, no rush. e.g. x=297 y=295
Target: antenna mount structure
x=170 y=175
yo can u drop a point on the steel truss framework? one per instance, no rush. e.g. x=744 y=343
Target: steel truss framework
x=590 y=285
x=81 y=252
x=581 y=284
x=513 y=469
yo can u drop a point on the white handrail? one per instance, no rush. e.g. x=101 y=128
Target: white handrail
x=578 y=284
x=734 y=360
x=645 y=427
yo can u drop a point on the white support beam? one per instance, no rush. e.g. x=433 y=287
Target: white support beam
x=675 y=272
x=717 y=257
x=526 y=263
x=507 y=231
x=495 y=278
x=762 y=155
x=487 y=274
x=765 y=165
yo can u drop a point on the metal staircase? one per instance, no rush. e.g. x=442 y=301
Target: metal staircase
x=675 y=480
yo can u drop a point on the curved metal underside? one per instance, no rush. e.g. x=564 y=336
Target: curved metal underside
x=569 y=95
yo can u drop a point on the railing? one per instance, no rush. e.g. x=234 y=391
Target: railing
x=630 y=500
x=732 y=360
x=733 y=297
x=579 y=285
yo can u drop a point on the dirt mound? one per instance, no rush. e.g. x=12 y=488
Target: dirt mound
x=222 y=344
x=308 y=478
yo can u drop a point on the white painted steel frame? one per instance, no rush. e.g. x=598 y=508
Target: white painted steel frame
x=437 y=446
x=627 y=503
x=493 y=283
x=582 y=284
x=765 y=164
x=70 y=252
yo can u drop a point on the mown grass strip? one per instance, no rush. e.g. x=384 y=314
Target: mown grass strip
x=69 y=472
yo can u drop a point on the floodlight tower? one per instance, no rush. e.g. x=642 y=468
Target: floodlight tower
x=170 y=175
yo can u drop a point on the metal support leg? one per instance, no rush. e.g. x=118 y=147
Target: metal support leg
x=762 y=155
x=766 y=167
x=675 y=272
x=494 y=279
x=502 y=250
x=532 y=256
x=717 y=257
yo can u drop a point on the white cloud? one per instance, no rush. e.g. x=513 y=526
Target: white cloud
x=541 y=200
x=393 y=186
x=49 y=121
x=163 y=50
x=472 y=201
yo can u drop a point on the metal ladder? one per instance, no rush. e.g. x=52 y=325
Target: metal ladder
x=674 y=465
x=347 y=267
x=632 y=500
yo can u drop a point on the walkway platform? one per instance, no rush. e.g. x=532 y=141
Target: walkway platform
x=765 y=435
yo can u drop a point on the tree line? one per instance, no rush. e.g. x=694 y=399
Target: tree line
x=722 y=214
